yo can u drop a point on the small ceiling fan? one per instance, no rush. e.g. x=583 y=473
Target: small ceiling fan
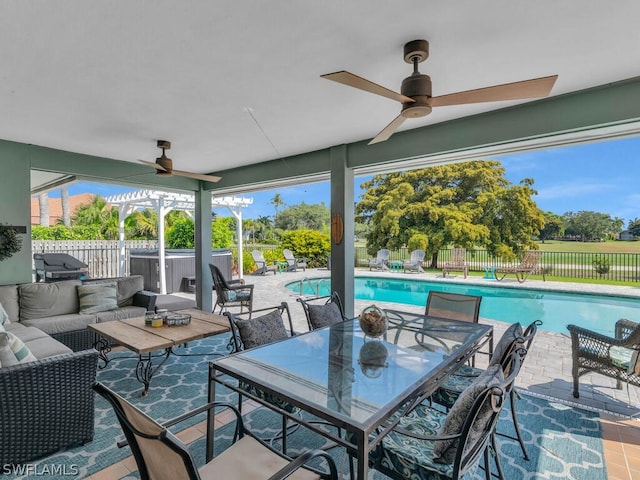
x=164 y=166
x=416 y=96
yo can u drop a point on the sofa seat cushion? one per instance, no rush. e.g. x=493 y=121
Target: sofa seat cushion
x=38 y=300
x=25 y=333
x=61 y=323
x=46 y=347
x=120 y=314
x=174 y=302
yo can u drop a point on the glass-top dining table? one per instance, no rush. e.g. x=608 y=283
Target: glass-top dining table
x=358 y=384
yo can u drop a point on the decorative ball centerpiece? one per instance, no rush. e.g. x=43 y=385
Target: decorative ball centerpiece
x=373 y=321
x=372 y=359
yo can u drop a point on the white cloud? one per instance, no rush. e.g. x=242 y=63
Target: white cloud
x=572 y=189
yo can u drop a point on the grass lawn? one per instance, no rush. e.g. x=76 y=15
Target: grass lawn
x=590 y=247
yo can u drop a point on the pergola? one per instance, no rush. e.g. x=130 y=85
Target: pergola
x=163 y=203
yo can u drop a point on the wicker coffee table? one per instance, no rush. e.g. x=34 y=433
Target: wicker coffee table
x=133 y=334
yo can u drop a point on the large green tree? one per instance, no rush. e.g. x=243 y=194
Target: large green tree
x=304 y=216
x=588 y=225
x=98 y=213
x=553 y=226
x=463 y=204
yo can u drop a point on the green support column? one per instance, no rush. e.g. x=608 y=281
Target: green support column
x=202 y=220
x=342 y=212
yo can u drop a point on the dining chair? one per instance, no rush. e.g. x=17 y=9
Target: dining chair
x=513 y=339
x=428 y=443
x=231 y=293
x=271 y=325
x=455 y=306
x=160 y=455
x=323 y=311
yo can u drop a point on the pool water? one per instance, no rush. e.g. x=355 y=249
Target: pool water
x=555 y=309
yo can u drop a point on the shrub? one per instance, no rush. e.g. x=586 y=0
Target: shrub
x=310 y=244
x=601 y=265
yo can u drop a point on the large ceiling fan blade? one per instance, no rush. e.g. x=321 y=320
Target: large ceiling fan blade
x=154 y=165
x=197 y=176
x=351 y=80
x=534 y=88
x=388 y=130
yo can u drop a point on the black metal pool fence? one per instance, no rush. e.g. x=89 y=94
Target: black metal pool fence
x=102 y=259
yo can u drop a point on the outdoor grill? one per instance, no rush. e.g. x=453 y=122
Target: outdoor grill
x=54 y=267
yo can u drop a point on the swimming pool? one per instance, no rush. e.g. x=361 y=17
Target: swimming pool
x=555 y=309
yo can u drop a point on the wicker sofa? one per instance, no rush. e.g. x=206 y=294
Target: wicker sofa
x=48 y=404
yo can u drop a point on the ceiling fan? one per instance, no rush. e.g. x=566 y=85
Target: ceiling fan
x=416 y=96
x=164 y=166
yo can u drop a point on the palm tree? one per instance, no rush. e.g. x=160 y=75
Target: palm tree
x=98 y=213
x=64 y=200
x=43 y=203
x=277 y=202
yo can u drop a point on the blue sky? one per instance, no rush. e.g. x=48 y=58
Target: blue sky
x=601 y=177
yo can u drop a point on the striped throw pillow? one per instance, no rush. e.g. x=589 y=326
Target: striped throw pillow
x=13 y=350
x=100 y=297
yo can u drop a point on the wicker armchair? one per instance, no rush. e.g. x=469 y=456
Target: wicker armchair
x=594 y=352
x=47 y=405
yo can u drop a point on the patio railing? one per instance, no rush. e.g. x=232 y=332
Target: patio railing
x=102 y=258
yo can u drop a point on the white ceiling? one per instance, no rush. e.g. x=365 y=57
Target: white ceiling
x=109 y=78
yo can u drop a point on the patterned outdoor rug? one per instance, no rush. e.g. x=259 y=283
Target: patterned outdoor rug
x=563 y=442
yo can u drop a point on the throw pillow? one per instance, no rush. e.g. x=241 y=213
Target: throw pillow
x=13 y=350
x=324 y=315
x=503 y=347
x=100 y=297
x=262 y=330
x=4 y=316
x=445 y=450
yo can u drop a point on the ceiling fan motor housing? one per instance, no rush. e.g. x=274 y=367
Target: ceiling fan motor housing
x=164 y=161
x=418 y=87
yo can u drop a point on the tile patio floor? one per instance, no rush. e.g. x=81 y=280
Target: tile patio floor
x=546 y=372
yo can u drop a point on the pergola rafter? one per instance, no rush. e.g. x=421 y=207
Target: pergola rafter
x=163 y=203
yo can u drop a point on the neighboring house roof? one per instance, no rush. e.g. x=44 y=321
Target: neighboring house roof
x=55 y=207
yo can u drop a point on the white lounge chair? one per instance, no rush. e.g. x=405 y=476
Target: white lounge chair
x=381 y=260
x=415 y=262
x=261 y=263
x=293 y=262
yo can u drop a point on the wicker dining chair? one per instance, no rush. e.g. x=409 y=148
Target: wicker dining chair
x=159 y=455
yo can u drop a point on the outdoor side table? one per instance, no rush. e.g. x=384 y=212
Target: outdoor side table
x=396 y=265
x=489 y=272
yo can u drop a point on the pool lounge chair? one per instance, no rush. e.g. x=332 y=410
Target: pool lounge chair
x=529 y=264
x=293 y=263
x=381 y=260
x=458 y=262
x=415 y=262
x=261 y=263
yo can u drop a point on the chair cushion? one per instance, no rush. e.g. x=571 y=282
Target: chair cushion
x=510 y=335
x=454 y=385
x=413 y=457
x=100 y=297
x=324 y=315
x=261 y=330
x=445 y=450
x=237 y=295
x=13 y=350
